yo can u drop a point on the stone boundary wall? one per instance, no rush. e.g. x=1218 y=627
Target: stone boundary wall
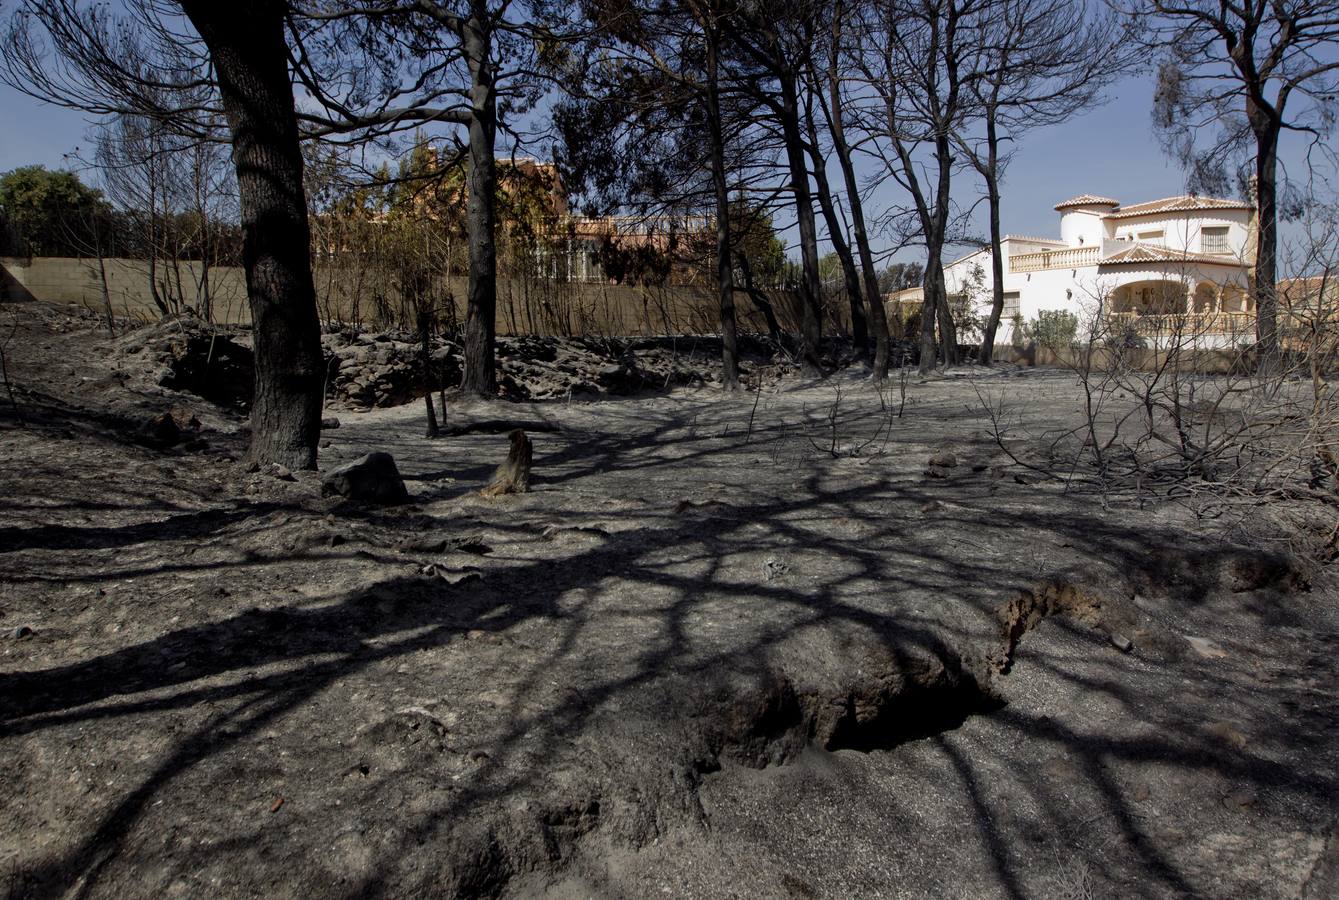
x=69 y=280
x=525 y=306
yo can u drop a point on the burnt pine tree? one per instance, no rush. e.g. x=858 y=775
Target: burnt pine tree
x=472 y=65
x=827 y=204
x=106 y=70
x=665 y=79
x=1041 y=62
x=915 y=58
x=250 y=58
x=1242 y=75
x=832 y=104
x=778 y=43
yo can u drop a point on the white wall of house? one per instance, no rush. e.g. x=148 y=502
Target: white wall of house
x=1072 y=277
x=1083 y=226
x=1187 y=231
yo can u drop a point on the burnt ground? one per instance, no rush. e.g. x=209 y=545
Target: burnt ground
x=721 y=649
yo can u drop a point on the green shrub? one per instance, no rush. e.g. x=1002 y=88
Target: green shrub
x=1054 y=329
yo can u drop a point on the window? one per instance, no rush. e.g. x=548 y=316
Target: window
x=1152 y=237
x=1214 y=240
x=1011 y=306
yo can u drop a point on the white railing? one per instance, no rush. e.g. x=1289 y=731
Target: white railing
x=1068 y=258
x=1235 y=324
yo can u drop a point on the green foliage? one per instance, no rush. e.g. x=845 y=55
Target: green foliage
x=1018 y=334
x=1053 y=329
x=634 y=263
x=1128 y=338
x=830 y=270
x=50 y=213
x=966 y=302
x=900 y=276
x=754 y=236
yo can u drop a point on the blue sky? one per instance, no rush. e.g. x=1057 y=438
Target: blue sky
x=1110 y=150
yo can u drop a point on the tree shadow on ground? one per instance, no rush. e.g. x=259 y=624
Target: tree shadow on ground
x=637 y=623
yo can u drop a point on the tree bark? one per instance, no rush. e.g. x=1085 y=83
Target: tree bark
x=874 y=300
x=810 y=286
x=760 y=300
x=246 y=44
x=425 y=344
x=479 y=376
x=992 y=178
x=859 y=330
x=1266 y=245
x=725 y=279
x=513 y=475
x=934 y=267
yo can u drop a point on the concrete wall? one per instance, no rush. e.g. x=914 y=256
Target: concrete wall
x=1184 y=231
x=525 y=306
x=65 y=280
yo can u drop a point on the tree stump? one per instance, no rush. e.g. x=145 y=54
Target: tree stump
x=513 y=476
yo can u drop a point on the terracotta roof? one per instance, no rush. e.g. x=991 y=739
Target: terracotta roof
x=1087 y=200
x=906 y=295
x=1300 y=290
x=1183 y=203
x=1150 y=253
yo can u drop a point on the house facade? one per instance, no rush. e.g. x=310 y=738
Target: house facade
x=1178 y=266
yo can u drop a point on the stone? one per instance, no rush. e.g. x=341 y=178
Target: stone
x=373 y=478
x=1121 y=642
x=1227 y=733
x=281 y=472
x=474 y=545
x=23 y=631
x=1205 y=647
x=423 y=545
x=160 y=431
x=329 y=423
x=944 y=460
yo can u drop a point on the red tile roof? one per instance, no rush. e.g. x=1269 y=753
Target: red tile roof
x=1183 y=203
x=1087 y=200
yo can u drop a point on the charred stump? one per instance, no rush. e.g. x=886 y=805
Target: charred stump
x=513 y=476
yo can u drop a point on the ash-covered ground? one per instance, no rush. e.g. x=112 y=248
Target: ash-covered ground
x=807 y=641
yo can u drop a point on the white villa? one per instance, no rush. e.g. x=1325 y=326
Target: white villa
x=1184 y=260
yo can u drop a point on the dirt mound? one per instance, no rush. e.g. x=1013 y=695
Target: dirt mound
x=186 y=354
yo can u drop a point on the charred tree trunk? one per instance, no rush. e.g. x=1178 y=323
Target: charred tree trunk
x=878 y=322
x=760 y=300
x=934 y=266
x=250 y=57
x=990 y=173
x=513 y=476
x=479 y=376
x=810 y=286
x=425 y=338
x=859 y=330
x=725 y=279
x=1266 y=238
x=929 y=311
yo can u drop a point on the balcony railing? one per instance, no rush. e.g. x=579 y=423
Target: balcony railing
x=1069 y=258
x=1187 y=324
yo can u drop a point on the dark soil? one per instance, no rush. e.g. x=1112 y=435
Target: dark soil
x=786 y=644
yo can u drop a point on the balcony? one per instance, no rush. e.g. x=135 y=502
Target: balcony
x=1231 y=324
x=1068 y=258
